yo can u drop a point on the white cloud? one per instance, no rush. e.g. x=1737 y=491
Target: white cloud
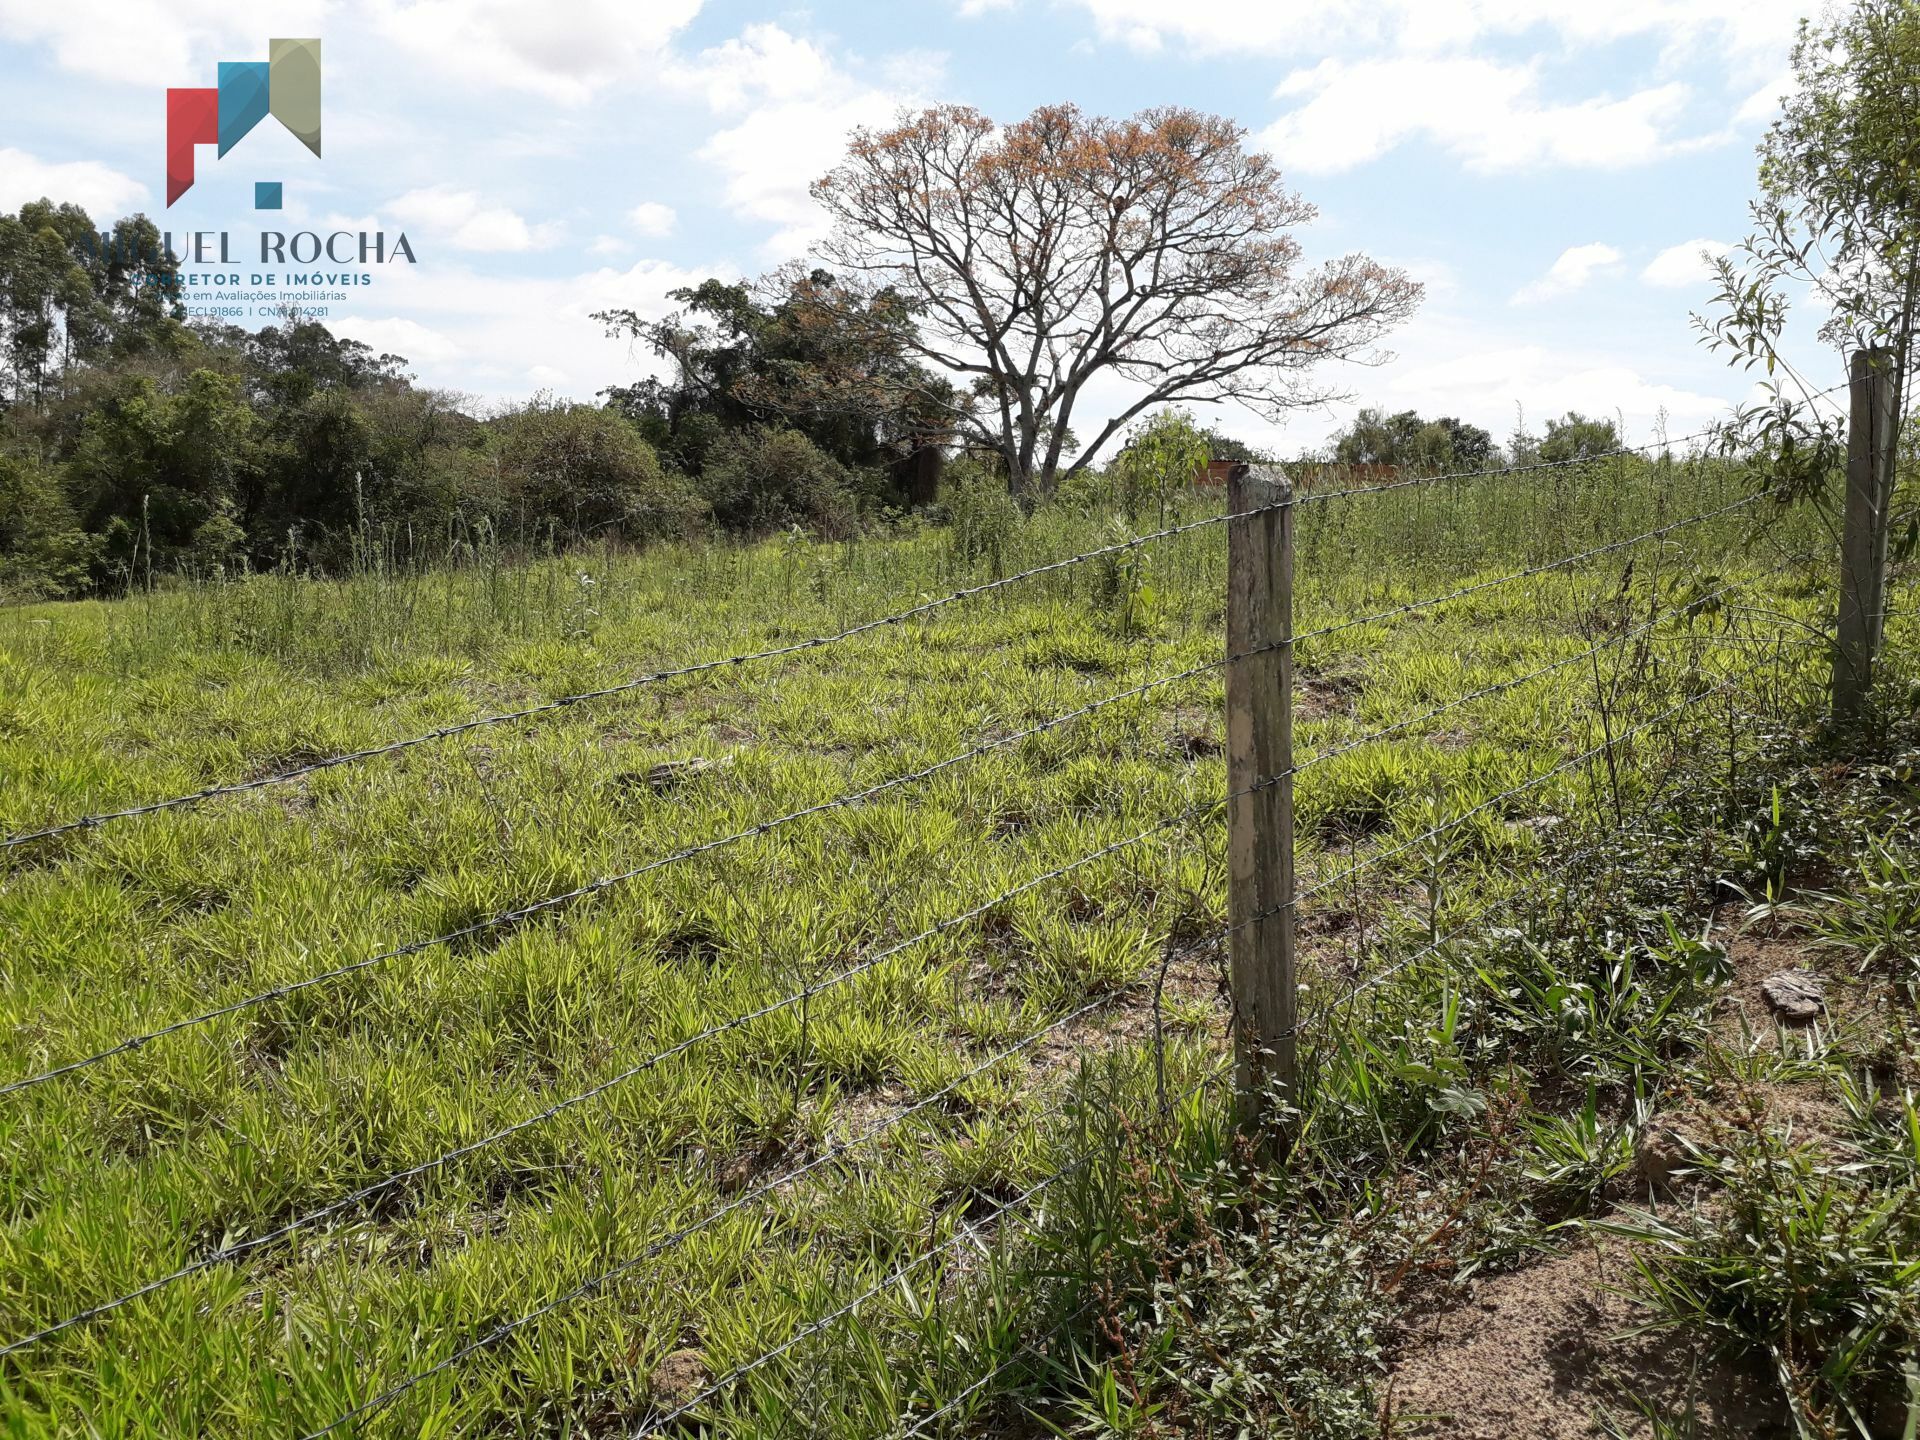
x=469 y=225
x=653 y=219
x=104 y=193
x=608 y=245
x=487 y=333
x=152 y=44
x=564 y=53
x=763 y=62
x=1684 y=264
x=1760 y=108
x=1575 y=267
x=419 y=345
x=771 y=157
x=795 y=108
x=1485 y=385
x=1742 y=29
x=1493 y=116
x=974 y=9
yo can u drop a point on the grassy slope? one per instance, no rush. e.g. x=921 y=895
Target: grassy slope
x=148 y=1161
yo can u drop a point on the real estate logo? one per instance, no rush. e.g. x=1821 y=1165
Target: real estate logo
x=286 y=85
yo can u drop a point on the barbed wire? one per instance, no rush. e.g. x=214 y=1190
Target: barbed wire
x=843 y=801
x=281 y=777
x=954 y=1402
x=1617 y=452
x=650 y=1062
x=599 y=1281
x=970 y=1231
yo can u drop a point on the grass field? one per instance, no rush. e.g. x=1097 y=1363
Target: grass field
x=223 y=1133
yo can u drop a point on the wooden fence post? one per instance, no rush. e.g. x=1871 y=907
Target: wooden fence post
x=1259 y=685
x=1863 y=538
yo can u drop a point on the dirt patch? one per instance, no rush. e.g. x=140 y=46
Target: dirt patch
x=1756 y=955
x=1535 y=1353
x=1546 y=1351
x=1747 y=1021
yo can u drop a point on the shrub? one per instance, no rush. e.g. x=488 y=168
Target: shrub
x=43 y=552
x=577 y=471
x=766 y=479
x=984 y=519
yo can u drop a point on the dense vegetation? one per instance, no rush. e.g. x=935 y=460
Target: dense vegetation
x=827 y=1044
x=134 y=444
x=223 y=1133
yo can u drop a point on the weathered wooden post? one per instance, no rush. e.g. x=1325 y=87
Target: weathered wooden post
x=1259 y=685
x=1863 y=537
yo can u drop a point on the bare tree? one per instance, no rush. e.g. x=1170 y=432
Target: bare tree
x=1036 y=258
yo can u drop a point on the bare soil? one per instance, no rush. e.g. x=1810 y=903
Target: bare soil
x=1555 y=1351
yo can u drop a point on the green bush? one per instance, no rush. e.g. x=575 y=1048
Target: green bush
x=580 y=472
x=766 y=479
x=43 y=552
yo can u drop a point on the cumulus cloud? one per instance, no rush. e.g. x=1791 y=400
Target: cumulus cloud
x=564 y=53
x=487 y=333
x=1493 y=116
x=147 y=44
x=1740 y=29
x=1575 y=267
x=1684 y=264
x=791 y=108
x=763 y=62
x=653 y=219
x=1378 y=73
x=1485 y=385
x=468 y=223
x=104 y=193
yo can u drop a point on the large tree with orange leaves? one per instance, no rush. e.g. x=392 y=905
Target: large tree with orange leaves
x=1036 y=259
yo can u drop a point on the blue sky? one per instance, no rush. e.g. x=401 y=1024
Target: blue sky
x=1548 y=169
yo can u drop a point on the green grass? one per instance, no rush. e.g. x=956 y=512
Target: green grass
x=207 y=1138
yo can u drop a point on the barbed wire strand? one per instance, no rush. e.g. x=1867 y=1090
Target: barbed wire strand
x=970 y=1231
x=842 y=801
x=919 y=1427
x=594 y=1284
x=281 y=777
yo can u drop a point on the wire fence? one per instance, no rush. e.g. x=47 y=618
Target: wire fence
x=1002 y=1218
x=97 y=819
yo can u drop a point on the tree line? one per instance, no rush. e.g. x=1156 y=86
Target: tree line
x=977 y=280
